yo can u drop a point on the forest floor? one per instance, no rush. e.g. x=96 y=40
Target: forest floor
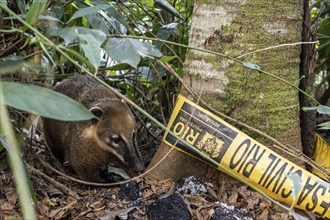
x=60 y=198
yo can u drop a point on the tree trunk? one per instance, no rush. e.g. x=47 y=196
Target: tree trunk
x=307 y=73
x=236 y=28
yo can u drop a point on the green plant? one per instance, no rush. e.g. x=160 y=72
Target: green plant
x=321 y=109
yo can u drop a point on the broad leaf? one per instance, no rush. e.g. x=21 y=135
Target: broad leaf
x=90 y=41
x=105 y=18
x=91 y=48
x=15 y=63
x=89 y=10
x=251 y=66
x=296 y=185
x=145 y=49
x=125 y=50
x=168 y=7
x=122 y=51
x=96 y=21
x=112 y=12
x=71 y=35
x=42 y=101
x=165 y=32
x=322 y=109
x=10 y=65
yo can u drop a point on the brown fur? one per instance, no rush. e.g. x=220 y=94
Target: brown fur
x=88 y=146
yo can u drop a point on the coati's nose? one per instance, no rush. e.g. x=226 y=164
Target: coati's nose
x=138 y=166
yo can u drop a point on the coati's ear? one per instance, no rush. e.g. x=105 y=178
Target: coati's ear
x=97 y=111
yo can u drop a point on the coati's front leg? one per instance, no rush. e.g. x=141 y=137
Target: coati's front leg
x=88 y=173
x=87 y=161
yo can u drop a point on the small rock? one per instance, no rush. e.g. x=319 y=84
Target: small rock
x=225 y=212
x=169 y=208
x=129 y=191
x=190 y=186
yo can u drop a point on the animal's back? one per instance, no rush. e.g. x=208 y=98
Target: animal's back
x=84 y=89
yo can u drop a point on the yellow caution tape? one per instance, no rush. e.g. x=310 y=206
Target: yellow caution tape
x=245 y=157
x=322 y=155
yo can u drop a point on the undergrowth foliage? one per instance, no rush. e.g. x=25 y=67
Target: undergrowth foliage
x=90 y=33
x=43 y=42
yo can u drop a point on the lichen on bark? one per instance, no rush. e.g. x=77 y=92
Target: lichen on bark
x=235 y=28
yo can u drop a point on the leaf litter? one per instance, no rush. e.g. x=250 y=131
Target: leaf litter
x=189 y=198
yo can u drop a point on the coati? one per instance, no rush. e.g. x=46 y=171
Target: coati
x=87 y=146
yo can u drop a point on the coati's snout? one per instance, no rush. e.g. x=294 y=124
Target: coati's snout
x=118 y=132
x=126 y=150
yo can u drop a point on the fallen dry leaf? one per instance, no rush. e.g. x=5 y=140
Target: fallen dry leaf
x=111 y=215
x=61 y=212
x=11 y=197
x=233 y=199
x=6 y=206
x=263 y=215
x=147 y=193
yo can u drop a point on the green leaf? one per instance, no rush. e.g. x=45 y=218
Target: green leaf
x=43 y=101
x=324 y=125
x=91 y=48
x=165 y=32
x=36 y=9
x=125 y=50
x=322 y=109
x=122 y=51
x=49 y=18
x=296 y=186
x=70 y=35
x=97 y=23
x=251 y=66
x=145 y=49
x=10 y=65
x=112 y=12
x=15 y=63
x=116 y=15
x=168 y=7
x=90 y=41
x=89 y=10
x=122 y=66
x=167 y=59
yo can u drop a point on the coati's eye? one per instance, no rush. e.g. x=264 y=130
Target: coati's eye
x=115 y=139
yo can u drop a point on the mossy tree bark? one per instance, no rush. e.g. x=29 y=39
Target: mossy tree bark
x=236 y=28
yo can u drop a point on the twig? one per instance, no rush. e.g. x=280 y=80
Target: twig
x=62 y=187
x=277 y=46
